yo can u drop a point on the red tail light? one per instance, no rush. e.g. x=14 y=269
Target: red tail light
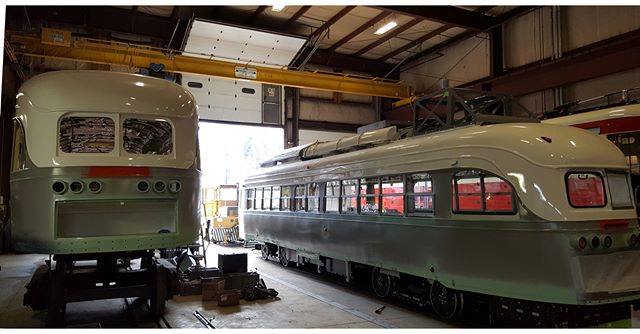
x=582 y=242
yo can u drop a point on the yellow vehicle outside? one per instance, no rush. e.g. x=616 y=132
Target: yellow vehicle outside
x=221 y=209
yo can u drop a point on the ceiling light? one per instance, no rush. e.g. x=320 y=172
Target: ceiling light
x=277 y=8
x=386 y=28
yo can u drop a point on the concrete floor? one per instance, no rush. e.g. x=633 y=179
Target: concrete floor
x=305 y=300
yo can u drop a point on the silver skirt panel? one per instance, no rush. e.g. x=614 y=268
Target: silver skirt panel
x=118 y=218
x=524 y=260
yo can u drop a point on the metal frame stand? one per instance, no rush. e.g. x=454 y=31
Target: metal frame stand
x=454 y=107
x=70 y=281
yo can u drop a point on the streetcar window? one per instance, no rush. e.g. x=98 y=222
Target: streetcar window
x=369 y=199
x=313 y=197
x=19 y=158
x=585 y=190
x=251 y=197
x=145 y=136
x=498 y=195
x=619 y=189
x=419 y=194
x=87 y=135
x=479 y=192
x=285 y=196
x=332 y=196
x=258 y=204
x=275 y=198
x=349 y=199
x=266 y=199
x=392 y=195
x=299 y=199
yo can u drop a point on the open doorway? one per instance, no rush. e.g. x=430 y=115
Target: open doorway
x=228 y=154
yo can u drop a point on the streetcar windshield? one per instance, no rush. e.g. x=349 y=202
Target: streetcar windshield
x=144 y=136
x=86 y=135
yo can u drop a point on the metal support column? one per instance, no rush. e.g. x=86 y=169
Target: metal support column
x=10 y=84
x=292 y=116
x=496 y=52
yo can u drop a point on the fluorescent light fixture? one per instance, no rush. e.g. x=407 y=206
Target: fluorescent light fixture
x=386 y=28
x=277 y=8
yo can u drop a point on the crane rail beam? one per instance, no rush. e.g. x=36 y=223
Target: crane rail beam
x=134 y=56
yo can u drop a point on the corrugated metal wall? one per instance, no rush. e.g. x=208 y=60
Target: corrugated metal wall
x=529 y=38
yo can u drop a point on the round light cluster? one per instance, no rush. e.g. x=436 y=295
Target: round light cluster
x=595 y=242
x=76 y=186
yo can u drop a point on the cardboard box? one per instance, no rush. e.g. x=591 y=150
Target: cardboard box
x=189 y=287
x=240 y=281
x=211 y=288
x=229 y=298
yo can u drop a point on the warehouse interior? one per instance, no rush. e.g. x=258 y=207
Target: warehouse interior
x=268 y=78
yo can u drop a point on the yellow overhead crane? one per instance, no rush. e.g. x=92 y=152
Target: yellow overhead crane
x=59 y=44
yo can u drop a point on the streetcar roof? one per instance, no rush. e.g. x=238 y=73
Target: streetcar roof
x=569 y=147
x=106 y=92
x=631 y=110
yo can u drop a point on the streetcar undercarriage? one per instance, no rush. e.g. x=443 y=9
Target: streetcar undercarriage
x=84 y=277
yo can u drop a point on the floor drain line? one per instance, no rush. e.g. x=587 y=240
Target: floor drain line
x=345 y=308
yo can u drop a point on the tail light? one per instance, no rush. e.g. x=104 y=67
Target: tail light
x=633 y=240
x=595 y=242
x=607 y=242
x=59 y=187
x=143 y=186
x=76 y=187
x=585 y=190
x=582 y=242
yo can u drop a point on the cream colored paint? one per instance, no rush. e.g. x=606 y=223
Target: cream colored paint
x=514 y=151
x=44 y=99
x=632 y=110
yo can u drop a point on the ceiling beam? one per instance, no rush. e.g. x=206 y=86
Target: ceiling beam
x=389 y=35
x=160 y=28
x=96 y=18
x=337 y=60
x=295 y=17
x=450 y=15
x=433 y=33
x=344 y=11
x=427 y=36
x=360 y=29
x=609 y=56
x=500 y=19
x=107 y=52
x=254 y=17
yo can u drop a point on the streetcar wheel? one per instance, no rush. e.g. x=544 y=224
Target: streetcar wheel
x=447 y=303
x=282 y=256
x=265 y=251
x=381 y=283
